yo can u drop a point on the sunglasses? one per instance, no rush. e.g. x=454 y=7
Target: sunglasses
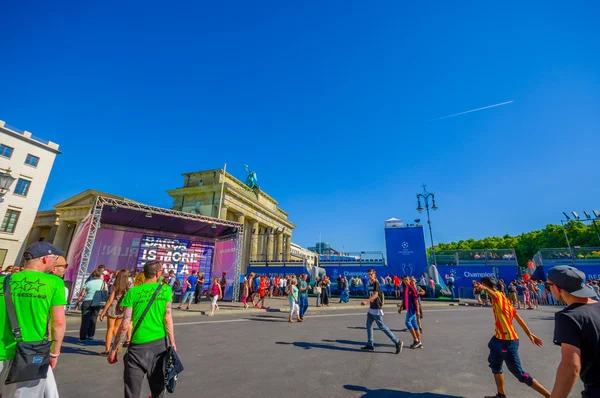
x=62 y=265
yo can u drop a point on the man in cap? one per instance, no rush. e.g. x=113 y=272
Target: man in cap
x=577 y=331
x=37 y=295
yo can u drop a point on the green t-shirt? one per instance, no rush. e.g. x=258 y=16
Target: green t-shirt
x=34 y=294
x=301 y=285
x=153 y=325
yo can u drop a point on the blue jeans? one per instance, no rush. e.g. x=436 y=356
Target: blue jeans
x=411 y=320
x=188 y=296
x=379 y=320
x=451 y=291
x=507 y=351
x=303 y=303
x=345 y=296
x=432 y=292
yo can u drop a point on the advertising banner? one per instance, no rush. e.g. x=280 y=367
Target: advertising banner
x=465 y=275
x=405 y=249
x=225 y=263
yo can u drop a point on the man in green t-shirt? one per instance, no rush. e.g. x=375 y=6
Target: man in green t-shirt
x=36 y=295
x=149 y=342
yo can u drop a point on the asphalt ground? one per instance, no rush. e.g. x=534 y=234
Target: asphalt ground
x=260 y=354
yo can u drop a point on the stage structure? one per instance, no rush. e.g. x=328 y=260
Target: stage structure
x=124 y=235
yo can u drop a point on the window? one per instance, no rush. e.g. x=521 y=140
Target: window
x=32 y=160
x=6 y=151
x=22 y=187
x=10 y=221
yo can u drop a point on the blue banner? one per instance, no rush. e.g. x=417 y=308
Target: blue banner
x=592 y=272
x=360 y=271
x=465 y=275
x=405 y=250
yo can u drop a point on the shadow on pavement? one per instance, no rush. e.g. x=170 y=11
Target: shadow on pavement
x=376 y=328
x=385 y=393
x=350 y=342
x=308 y=346
x=91 y=343
x=266 y=319
x=77 y=350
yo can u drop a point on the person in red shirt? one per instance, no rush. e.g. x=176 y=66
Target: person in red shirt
x=261 y=291
x=396 y=281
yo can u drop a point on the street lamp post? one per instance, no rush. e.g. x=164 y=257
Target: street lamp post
x=425 y=196
x=6 y=181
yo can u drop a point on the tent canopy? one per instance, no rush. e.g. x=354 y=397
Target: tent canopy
x=134 y=215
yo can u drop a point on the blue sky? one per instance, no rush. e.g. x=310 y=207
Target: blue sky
x=331 y=103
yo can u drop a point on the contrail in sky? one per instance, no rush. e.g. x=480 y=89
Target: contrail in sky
x=475 y=110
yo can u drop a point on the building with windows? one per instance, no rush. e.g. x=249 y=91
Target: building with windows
x=28 y=160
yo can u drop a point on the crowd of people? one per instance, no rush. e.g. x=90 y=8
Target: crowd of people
x=527 y=294
x=137 y=306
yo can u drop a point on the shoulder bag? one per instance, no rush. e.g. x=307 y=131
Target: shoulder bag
x=100 y=297
x=32 y=358
x=172 y=366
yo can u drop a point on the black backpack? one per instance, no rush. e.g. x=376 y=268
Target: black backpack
x=177 y=285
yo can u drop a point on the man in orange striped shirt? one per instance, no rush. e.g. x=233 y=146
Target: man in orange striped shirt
x=504 y=346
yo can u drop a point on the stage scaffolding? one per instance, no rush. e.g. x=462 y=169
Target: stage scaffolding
x=221 y=230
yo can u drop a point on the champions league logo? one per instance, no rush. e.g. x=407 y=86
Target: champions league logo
x=407 y=268
x=405 y=251
x=335 y=273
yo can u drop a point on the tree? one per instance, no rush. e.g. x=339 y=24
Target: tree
x=527 y=244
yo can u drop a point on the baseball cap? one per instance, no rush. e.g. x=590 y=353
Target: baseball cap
x=571 y=280
x=41 y=249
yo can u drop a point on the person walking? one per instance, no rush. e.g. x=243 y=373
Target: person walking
x=375 y=314
x=215 y=292
x=576 y=331
x=113 y=310
x=303 y=295
x=431 y=288
x=89 y=312
x=410 y=302
x=345 y=291
x=293 y=299
x=504 y=346
x=325 y=291
x=450 y=283
x=245 y=293
x=32 y=312
x=189 y=289
x=148 y=308
x=223 y=284
x=198 y=288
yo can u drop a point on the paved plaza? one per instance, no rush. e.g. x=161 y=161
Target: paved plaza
x=260 y=354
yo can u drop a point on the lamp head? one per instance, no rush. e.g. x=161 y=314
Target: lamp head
x=575 y=215
x=567 y=216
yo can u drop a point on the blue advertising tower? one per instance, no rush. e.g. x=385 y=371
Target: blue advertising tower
x=405 y=248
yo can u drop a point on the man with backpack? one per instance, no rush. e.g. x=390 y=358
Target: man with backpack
x=375 y=314
x=148 y=307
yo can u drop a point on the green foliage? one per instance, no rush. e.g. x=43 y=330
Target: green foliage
x=527 y=244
